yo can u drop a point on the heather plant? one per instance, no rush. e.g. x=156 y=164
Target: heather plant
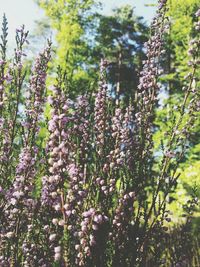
x=96 y=195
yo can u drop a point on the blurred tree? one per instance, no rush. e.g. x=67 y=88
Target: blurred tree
x=72 y=21
x=181 y=12
x=181 y=20
x=175 y=62
x=120 y=39
x=84 y=36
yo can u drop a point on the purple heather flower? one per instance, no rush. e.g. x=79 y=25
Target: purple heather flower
x=197 y=13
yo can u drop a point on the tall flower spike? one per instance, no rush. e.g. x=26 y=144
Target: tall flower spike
x=148 y=90
x=36 y=98
x=121 y=224
x=100 y=110
x=11 y=77
x=19 y=197
x=61 y=152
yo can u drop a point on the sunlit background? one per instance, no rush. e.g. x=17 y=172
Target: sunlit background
x=26 y=12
